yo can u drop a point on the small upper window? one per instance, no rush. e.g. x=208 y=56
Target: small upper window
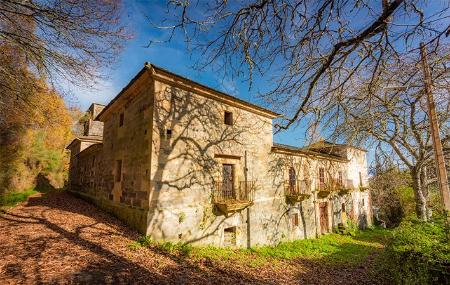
x=228 y=118
x=118 y=170
x=168 y=134
x=121 y=120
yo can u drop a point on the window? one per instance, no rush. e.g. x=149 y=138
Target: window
x=363 y=201
x=118 y=170
x=321 y=175
x=343 y=207
x=294 y=220
x=121 y=119
x=229 y=236
x=168 y=134
x=360 y=179
x=228 y=118
x=292 y=179
x=340 y=179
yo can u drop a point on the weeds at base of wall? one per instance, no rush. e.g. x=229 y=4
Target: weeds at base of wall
x=336 y=249
x=169 y=247
x=351 y=229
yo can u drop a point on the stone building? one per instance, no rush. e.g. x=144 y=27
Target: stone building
x=180 y=161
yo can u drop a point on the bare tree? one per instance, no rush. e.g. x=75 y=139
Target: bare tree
x=331 y=61
x=59 y=39
x=311 y=48
x=396 y=118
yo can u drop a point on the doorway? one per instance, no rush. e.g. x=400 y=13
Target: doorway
x=228 y=181
x=323 y=209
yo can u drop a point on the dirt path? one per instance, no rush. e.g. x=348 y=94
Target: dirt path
x=59 y=239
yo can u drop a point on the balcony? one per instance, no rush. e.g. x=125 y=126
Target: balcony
x=324 y=188
x=230 y=199
x=345 y=186
x=296 y=190
x=363 y=188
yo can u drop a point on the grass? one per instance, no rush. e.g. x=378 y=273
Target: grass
x=332 y=248
x=13 y=198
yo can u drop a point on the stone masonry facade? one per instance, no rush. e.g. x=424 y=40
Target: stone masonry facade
x=182 y=162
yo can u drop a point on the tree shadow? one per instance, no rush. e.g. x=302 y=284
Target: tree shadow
x=46 y=245
x=349 y=263
x=188 y=135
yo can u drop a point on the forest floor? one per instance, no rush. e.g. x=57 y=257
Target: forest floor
x=59 y=239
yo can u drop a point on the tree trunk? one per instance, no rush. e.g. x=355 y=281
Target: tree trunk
x=419 y=195
x=424 y=187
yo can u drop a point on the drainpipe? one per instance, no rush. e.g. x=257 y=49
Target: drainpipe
x=248 y=208
x=315 y=209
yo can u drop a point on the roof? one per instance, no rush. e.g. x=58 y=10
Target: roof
x=90 y=149
x=304 y=151
x=327 y=144
x=96 y=139
x=219 y=94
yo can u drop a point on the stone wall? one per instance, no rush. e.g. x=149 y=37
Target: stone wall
x=190 y=143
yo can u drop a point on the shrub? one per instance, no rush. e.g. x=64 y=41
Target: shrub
x=419 y=252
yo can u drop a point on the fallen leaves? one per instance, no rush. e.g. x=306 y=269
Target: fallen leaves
x=63 y=240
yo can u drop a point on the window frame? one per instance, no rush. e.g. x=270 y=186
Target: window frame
x=228 y=118
x=321 y=174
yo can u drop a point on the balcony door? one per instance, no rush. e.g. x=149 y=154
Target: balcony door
x=228 y=181
x=292 y=179
x=321 y=178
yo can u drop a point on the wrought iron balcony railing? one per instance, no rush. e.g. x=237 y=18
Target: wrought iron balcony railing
x=344 y=186
x=231 y=198
x=297 y=190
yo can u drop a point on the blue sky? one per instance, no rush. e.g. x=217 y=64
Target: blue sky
x=172 y=56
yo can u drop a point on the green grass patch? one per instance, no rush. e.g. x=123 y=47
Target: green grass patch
x=12 y=198
x=332 y=248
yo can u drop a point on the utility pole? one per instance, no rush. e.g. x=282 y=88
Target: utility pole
x=437 y=144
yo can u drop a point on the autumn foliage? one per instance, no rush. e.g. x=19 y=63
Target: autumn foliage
x=35 y=125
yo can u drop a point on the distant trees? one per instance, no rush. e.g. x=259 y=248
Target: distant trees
x=41 y=44
x=395 y=118
x=392 y=195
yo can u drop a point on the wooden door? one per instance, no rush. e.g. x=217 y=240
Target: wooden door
x=228 y=181
x=323 y=209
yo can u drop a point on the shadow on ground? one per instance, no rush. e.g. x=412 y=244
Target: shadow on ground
x=57 y=238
